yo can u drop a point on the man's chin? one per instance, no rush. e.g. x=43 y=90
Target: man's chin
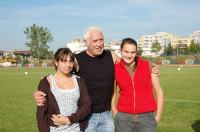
x=99 y=53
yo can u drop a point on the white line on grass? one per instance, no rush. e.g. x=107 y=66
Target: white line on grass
x=184 y=101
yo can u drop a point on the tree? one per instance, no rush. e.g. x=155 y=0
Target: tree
x=139 y=51
x=38 y=39
x=168 y=50
x=50 y=55
x=181 y=49
x=194 y=48
x=19 y=59
x=156 y=47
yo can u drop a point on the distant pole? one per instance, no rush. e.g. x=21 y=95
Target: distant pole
x=177 y=49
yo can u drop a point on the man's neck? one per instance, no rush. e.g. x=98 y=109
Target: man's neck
x=90 y=54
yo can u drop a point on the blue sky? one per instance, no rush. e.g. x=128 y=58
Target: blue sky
x=68 y=20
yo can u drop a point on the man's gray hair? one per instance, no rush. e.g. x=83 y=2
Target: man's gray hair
x=89 y=29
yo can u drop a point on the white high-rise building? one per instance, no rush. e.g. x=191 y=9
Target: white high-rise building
x=76 y=45
x=195 y=36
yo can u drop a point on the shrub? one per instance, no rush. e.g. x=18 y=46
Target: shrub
x=180 y=60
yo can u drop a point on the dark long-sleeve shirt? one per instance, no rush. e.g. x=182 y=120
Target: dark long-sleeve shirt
x=50 y=106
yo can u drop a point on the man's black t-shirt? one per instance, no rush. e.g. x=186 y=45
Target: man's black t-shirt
x=98 y=73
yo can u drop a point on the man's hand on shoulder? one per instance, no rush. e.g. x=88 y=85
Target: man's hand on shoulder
x=156 y=69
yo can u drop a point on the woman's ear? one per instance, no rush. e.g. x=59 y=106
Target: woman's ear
x=56 y=63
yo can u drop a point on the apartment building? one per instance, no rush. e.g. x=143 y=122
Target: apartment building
x=181 y=41
x=195 y=36
x=76 y=45
x=146 y=42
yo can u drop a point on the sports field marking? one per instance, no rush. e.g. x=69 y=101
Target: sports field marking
x=184 y=101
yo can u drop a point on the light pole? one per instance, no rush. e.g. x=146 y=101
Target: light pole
x=177 y=49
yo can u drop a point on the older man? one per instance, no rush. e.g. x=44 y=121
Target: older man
x=96 y=66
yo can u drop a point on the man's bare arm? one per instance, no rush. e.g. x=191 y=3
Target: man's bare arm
x=39 y=98
x=114 y=56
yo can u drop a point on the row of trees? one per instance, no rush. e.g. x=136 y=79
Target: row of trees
x=194 y=49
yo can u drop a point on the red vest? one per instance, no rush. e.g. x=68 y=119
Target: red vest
x=136 y=92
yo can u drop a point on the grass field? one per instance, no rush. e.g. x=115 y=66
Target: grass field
x=181 y=88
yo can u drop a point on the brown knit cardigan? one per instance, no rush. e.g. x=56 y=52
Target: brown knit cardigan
x=50 y=106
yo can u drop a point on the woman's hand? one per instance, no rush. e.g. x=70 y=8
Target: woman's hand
x=114 y=112
x=60 y=120
x=157 y=119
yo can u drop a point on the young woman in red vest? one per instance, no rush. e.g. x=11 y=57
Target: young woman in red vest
x=140 y=101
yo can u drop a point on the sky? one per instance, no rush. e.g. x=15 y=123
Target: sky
x=68 y=20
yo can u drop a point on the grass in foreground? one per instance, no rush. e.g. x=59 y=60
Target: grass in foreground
x=181 y=88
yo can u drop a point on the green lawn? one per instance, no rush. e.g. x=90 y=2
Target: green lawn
x=182 y=99
x=181 y=88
